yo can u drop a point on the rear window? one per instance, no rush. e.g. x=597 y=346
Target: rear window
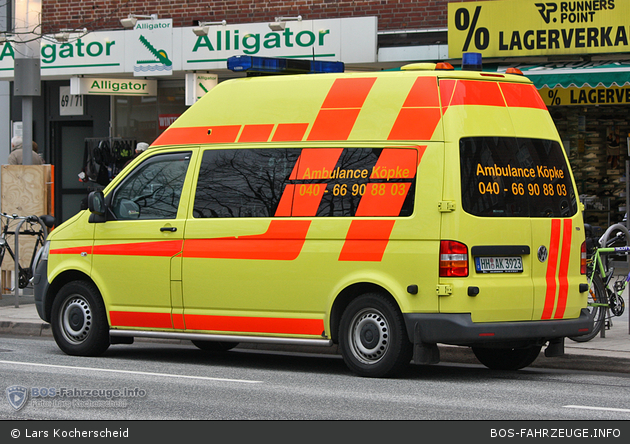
x=515 y=177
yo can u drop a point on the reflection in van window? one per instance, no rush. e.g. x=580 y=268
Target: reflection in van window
x=243 y=183
x=310 y=182
x=515 y=177
x=153 y=189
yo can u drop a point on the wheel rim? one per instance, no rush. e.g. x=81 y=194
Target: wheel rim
x=75 y=319
x=369 y=336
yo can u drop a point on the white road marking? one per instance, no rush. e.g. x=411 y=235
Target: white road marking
x=586 y=407
x=132 y=372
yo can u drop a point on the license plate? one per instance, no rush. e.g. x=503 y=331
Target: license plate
x=499 y=264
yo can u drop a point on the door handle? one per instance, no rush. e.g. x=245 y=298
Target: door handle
x=172 y=229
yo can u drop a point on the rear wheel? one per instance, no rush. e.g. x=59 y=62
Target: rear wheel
x=79 y=321
x=596 y=295
x=507 y=358
x=214 y=346
x=372 y=337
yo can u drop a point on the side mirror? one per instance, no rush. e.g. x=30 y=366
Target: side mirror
x=96 y=203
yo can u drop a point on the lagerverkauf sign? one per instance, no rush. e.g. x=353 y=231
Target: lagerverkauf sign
x=535 y=27
x=112 y=87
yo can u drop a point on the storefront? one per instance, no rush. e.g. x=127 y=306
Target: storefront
x=109 y=89
x=578 y=56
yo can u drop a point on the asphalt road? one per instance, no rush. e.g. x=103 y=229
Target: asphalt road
x=170 y=382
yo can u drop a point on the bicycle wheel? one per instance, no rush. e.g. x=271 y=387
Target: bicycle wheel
x=596 y=295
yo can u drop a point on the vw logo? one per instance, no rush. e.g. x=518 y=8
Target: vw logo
x=542 y=253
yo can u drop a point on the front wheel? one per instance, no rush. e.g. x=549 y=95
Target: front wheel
x=507 y=358
x=372 y=337
x=79 y=321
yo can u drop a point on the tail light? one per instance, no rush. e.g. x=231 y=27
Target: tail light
x=583 y=258
x=453 y=259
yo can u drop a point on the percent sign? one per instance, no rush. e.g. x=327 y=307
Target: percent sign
x=463 y=23
x=553 y=95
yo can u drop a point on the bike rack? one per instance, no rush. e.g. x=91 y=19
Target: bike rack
x=602 y=241
x=17 y=291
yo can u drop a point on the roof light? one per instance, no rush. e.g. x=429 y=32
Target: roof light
x=471 y=61
x=268 y=65
x=444 y=66
x=514 y=71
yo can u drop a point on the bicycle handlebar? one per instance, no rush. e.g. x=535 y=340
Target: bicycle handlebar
x=604 y=239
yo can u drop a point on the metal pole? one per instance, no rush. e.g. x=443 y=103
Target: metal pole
x=16 y=273
x=27 y=130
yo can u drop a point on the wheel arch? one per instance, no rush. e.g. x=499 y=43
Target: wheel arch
x=347 y=295
x=59 y=281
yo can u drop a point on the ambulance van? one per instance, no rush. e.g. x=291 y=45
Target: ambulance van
x=381 y=212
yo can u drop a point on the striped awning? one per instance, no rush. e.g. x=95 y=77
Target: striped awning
x=576 y=74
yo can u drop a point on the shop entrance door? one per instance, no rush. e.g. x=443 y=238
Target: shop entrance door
x=69 y=148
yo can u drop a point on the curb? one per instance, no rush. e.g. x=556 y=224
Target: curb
x=25 y=328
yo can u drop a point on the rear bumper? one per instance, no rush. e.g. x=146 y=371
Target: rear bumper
x=459 y=329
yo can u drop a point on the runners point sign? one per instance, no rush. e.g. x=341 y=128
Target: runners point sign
x=534 y=27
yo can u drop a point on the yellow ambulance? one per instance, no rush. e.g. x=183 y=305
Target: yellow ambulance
x=383 y=212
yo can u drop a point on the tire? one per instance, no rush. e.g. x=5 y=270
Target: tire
x=596 y=294
x=507 y=358
x=214 y=346
x=79 y=321
x=372 y=337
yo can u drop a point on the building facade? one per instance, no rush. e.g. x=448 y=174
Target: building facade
x=98 y=56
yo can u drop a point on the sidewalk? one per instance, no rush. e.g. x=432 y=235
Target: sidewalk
x=611 y=353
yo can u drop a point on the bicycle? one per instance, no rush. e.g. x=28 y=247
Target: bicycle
x=25 y=274
x=605 y=302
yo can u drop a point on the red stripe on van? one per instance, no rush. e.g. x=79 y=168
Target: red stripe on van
x=140 y=319
x=245 y=324
x=198 y=134
x=72 y=250
x=475 y=92
x=366 y=240
x=415 y=124
x=522 y=95
x=423 y=93
x=348 y=93
x=255 y=133
x=315 y=163
x=552 y=266
x=333 y=124
x=178 y=321
x=289 y=132
x=282 y=241
x=393 y=161
x=340 y=109
x=563 y=273
x=286 y=202
x=383 y=199
x=157 y=248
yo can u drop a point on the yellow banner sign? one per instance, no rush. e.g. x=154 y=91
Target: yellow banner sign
x=614 y=95
x=535 y=27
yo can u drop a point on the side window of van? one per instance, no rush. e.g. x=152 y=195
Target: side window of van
x=309 y=182
x=153 y=189
x=515 y=177
x=243 y=182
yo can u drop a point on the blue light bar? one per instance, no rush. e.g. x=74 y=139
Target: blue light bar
x=270 y=65
x=471 y=61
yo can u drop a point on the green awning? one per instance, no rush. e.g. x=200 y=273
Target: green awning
x=576 y=74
